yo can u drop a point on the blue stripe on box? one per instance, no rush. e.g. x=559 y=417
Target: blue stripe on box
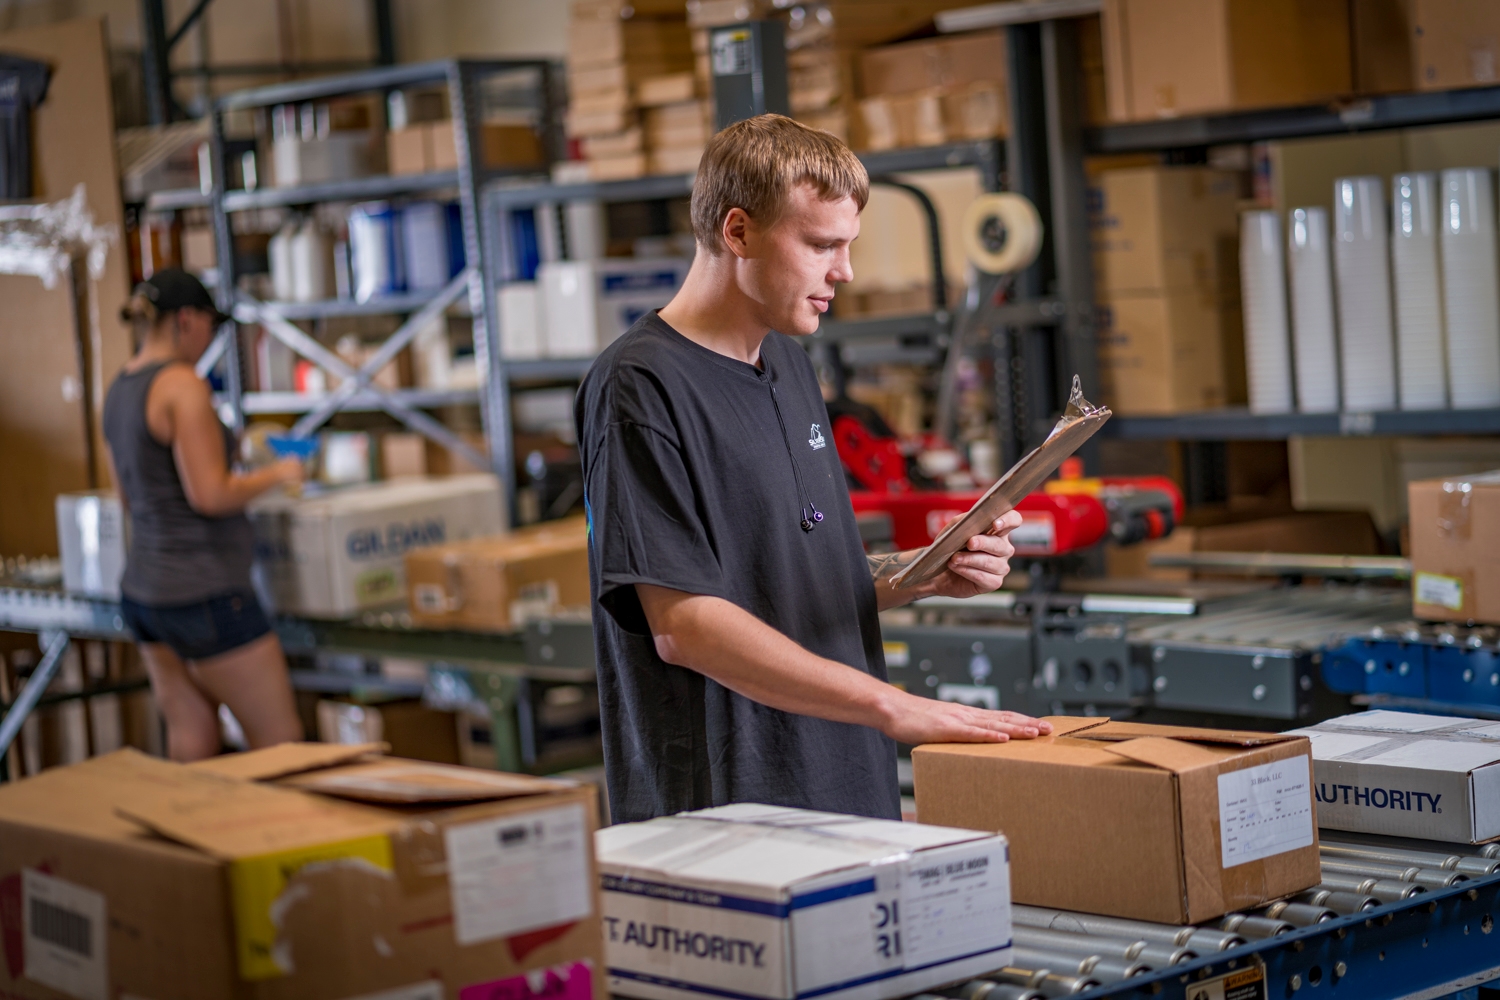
x=714 y=991
x=832 y=893
x=693 y=897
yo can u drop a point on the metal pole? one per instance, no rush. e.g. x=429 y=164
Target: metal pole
x=224 y=292
x=494 y=383
x=156 y=69
x=41 y=677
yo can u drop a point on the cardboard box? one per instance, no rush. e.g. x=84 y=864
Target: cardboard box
x=1162 y=352
x=402 y=455
x=1165 y=228
x=671 y=88
x=301 y=871
x=407 y=726
x=1165 y=58
x=581 y=124
x=1382 y=37
x=91 y=542
x=409 y=150
x=1457 y=43
x=1401 y=774
x=783 y=903
x=632 y=140
x=332 y=554
x=1162 y=823
x=605 y=41
x=1455 y=548
x=935 y=62
x=498 y=584
x=618 y=168
x=587 y=304
x=675 y=160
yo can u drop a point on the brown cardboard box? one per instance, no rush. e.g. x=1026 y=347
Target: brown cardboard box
x=675 y=159
x=1165 y=58
x=586 y=123
x=301 y=871
x=407 y=726
x=1382 y=39
x=934 y=62
x=402 y=455
x=618 y=168
x=1165 y=228
x=1132 y=820
x=632 y=140
x=492 y=584
x=603 y=41
x=1457 y=43
x=409 y=150
x=1313 y=532
x=670 y=88
x=1455 y=548
x=1162 y=352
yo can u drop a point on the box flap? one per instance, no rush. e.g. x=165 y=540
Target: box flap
x=230 y=819
x=1173 y=755
x=1063 y=725
x=1231 y=737
x=285 y=758
x=395 y=780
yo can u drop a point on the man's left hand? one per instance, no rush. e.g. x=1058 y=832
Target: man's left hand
x=982 y=565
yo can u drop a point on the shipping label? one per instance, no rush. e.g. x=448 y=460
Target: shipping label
x=1438 y=590
x=1265 y=810
x=64 y=929
x=519 y=873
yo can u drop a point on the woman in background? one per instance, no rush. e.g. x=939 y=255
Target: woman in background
x=186 y=591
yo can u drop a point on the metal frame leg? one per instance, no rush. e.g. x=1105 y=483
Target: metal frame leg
x=15 y=716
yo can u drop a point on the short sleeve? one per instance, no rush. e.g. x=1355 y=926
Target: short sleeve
x=646 y=522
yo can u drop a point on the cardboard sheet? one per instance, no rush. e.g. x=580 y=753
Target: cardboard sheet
x=1078 y=423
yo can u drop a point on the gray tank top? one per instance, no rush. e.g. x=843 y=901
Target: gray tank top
x=177 y=556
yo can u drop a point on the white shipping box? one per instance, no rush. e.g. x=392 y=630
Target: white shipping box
x=91 y=543
x=763 y=901
x=333 y=554
x=587 y=304
x=1401 y=774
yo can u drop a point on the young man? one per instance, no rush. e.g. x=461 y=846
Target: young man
x=735 y=616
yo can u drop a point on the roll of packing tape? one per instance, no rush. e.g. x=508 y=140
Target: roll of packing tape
x=1002 y=232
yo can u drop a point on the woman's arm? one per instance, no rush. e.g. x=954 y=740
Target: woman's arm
x=198 y=448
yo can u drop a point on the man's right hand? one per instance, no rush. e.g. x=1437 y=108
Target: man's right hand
x=915 y=720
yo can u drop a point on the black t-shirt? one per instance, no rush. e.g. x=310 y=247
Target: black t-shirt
x=23 y=84
x=690 y=485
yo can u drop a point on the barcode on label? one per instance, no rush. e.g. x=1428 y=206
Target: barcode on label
x=61 y=927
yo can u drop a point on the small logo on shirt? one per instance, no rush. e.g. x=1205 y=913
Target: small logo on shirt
x=817 y=440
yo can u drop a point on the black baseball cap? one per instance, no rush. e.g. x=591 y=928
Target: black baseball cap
x=172 y=288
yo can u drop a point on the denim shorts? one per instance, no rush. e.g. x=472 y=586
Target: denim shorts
x=200 y=630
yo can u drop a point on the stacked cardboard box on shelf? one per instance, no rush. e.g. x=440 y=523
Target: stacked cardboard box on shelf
x=928 y=92
x=1164 y=245
x=617 y=50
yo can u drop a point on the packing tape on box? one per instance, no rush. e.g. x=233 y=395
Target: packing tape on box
x=1002 y=232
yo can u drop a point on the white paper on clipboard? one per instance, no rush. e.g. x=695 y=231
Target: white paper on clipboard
x=1077 y=424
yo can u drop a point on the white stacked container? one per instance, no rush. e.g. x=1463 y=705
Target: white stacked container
x=1361 y=259
x=1470 y=302
x=1422 y=372
x=1314 y=323
x=1268 y=359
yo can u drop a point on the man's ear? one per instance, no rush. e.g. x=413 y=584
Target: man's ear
x=736 y=232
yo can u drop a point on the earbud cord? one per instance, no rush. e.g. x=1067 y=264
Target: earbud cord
x=803 y=495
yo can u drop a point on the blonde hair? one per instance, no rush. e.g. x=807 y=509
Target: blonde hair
x=755 y=164
x=141 y=315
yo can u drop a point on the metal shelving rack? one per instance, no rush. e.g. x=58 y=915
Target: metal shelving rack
x=463 y=79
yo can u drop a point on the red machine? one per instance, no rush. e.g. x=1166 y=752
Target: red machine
x=1069 y=514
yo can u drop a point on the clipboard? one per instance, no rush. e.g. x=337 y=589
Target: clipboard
x=1079 y=421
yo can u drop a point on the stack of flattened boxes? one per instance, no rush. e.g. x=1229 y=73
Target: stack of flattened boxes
x=703 y=15
x=614 y=48
x=936 y=90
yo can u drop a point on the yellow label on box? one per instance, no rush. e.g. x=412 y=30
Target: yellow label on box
x=256 y=884
x=1438 y=590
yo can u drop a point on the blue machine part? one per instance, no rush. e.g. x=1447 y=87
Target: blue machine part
x=1463 y=675
x=1366 y=665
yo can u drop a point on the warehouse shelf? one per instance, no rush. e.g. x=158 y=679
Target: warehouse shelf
x=984 y=154
x=383 y=78
x=166 y=201
x=362 y=402
x=358 y=189
x=326 y=308
x=1363 y=115
x=1241 y=424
